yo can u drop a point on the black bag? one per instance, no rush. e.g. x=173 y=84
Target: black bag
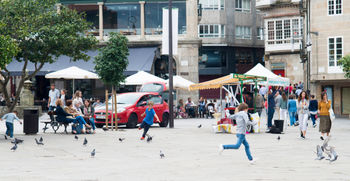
x=275 y=130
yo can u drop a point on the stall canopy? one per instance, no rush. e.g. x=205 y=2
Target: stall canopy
x=231 y=79
x=72 y=73
x=141 y=78
x=180 y=83
x=271 y=78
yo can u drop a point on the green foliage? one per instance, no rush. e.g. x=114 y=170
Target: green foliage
x=8 y=49
x=112 y=60
x=42 y=34
x=345 y=62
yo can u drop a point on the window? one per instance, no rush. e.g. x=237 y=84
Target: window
x=242 y=5
x=212 y=4
x=335 y=51
x=211 y=31
x=284 y=31
x=212 y=58
x=243 y=32
x=334 y=7
x=260 y=33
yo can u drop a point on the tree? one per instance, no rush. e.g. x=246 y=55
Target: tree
x=42 y=34
x=8 y=49
x=112 y=60
x=110 y=65
x=345 y=62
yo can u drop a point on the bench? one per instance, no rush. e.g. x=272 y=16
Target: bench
x=55 y=125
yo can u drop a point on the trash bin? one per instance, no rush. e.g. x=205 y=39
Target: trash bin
x=279 y=124
x=30 y=120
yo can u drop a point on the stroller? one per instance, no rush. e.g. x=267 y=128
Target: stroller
x=210 y=111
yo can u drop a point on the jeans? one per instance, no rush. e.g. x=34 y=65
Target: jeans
x=303 y=121
x=92 y=122
x=78 y=119
x=52 y=108
x=201 y=111
x=270 y=113
x=292 y=118
x=240 y=139
x=145 y=127
x=313 y=118
x=9 y=131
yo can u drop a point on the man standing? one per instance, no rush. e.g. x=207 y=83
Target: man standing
x=54 y=94
x=271 y=107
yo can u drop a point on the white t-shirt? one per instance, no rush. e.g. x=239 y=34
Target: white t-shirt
x=53 y=95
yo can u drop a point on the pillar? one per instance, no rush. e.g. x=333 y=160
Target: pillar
x=100 y=9
x=142 y=5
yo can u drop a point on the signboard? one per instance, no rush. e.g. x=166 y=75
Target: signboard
x=165 y=37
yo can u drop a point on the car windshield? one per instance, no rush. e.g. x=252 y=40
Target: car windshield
x=154 y=87
x=126 y=99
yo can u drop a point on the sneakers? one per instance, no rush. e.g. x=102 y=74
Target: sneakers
x=252 y=162
x=221 y=149
x=142 y=138
x=140 y=128
x=314 y=125
x=322 y=138
x=303 y=137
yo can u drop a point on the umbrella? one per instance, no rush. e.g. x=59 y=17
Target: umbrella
x=72 y=73
x=180 y=83
x=141 y=78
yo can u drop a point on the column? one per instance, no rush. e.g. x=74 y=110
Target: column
x=100 y=9
x=142 y=5
x=58 y=6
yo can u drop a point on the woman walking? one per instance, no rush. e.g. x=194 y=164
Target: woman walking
x=303 y=112
x=325 y=121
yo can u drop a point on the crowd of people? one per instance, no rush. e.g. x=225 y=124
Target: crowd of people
x=204 y=109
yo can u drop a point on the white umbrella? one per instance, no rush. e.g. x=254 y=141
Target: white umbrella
x=72 y=73
x=180 y=83
x=141 y=78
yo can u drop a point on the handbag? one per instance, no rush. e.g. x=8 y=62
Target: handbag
x=331 y=114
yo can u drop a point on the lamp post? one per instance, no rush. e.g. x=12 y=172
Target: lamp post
x=171 y=100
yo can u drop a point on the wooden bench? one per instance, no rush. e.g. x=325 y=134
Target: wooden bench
x=55 y=125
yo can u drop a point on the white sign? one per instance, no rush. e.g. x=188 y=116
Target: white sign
x=184 y=63
x=165 y=37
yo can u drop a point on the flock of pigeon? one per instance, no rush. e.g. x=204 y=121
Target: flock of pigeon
x=328 y=150
x=17 y=141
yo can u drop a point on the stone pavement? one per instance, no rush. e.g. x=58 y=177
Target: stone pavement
x=191 y=153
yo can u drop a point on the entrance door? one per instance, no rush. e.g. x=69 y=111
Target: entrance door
x=329 y=90
x=345 y=96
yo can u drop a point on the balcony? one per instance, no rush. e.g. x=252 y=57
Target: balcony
x=283 y=45
x=264 y=3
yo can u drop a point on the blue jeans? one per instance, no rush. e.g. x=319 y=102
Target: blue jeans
x=9 y=131
x=292 y=117
x=240 y=139
x=78 y=119
x=92 y=121
x=313 y=118
x=270 y=113
x=145 y=127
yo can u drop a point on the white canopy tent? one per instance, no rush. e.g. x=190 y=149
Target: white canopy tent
x=271 y=78
x=72 y=73
x=180 y=83
x=141 y=78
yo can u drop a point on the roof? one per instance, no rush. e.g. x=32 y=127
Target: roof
x=139 y=59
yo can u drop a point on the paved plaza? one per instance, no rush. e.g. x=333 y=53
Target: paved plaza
x=191 y=153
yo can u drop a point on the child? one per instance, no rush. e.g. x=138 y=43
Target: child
x=242 y=121
x=148 y=120
x=313 y=108
x=9 y=122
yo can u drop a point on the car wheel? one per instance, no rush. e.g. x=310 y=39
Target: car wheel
x=99 y=125
x=165 y=120
x=132 y=121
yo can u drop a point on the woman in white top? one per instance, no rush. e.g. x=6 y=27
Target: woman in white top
x=78 y=99
x=303 y=112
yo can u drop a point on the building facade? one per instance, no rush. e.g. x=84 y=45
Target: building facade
x=283 y=32
x=232 y=39
x=330 y=35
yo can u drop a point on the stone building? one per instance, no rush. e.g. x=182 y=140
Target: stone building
x=232 y=39
x=283 y=31
x=330 y=35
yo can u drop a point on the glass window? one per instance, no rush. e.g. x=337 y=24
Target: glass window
x=260 y=33
x=213 y=58
x=209 y=31
x=271 y=31
x=242 y=5
x=334 y=7
x=154 y=17
x=156 y=100
x=335 y=51
x=243 y=32
x=123 y=18
x=286 y=29
x=212 y=4
x=279 y=32
x=91 y=13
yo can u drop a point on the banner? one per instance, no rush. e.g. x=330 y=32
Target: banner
x=165 y=36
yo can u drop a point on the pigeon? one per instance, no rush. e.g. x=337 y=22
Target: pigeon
x=76 y=137
x=319 y=153
x=16 y=141
x=38 y=142
x=5 y=137
x=161 y=154
x=121 y=139
x=85 y=142
x=14 y=147
x=334 y=155
x=149 y=138
x=93 y=153
x=105 y=129
x=278 y=138
x=41 y=139
x=199 y=126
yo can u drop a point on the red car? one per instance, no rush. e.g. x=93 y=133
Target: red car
x=130 y=106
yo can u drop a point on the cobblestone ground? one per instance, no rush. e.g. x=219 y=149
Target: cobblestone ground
x=191 y=153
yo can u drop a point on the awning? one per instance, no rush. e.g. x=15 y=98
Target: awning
x=272 y=79
x=139 y=59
